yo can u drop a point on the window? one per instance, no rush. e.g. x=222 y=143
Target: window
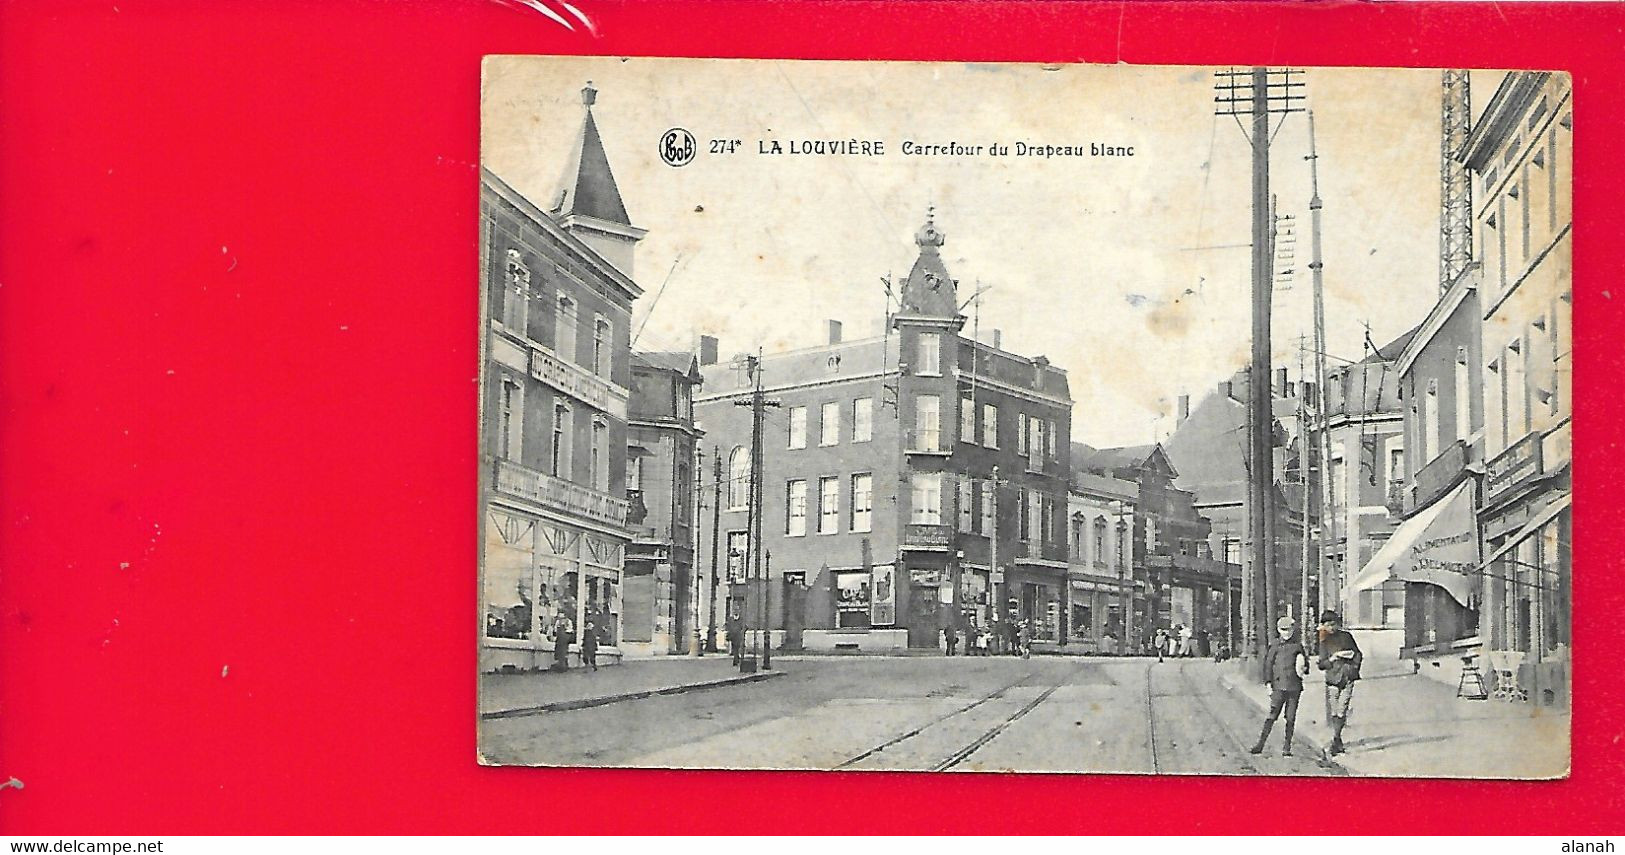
x=564 y=329
x=1517 y=415
x=987 y=507
x=1100 y=541
x=990 y=426
x=1430 y=421
x=600 y=455
x=829 y=505
x=1396 y=464
x=967 y=510
x=510 y=430
x=862 y=499
x=601 y=348
x=1022 y=434
x=559 y=464
x=515 y=293
x=798 y=427
x=967 y=420
x=634 y=472
x=928 y=359
x=1046 y=517
x=1036 y=449
x=1339 y=482
x=829 y=424
x=1049 y=440
x=795 y=508
x=738 y=553
x=1032 y=515
x=926 y=495
x=863 y=419
x=738 y=479
x=1464 y=398
x=927 y=423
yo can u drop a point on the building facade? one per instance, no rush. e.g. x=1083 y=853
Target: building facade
x=911 y=482
x=658 y=603
x=557 y=293
x=1184 y=584
x=1520 y=154
x=1365 y=437
x=1102 y=584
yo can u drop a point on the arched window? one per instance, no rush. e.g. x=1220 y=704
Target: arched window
x=738 y=478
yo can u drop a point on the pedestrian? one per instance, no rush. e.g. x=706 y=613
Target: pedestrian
x=981 y=642
x=589 y=645
x=1024 y=639
x=563 y=635
x=953 y=639
x=736 y=640
x=1160 y=642
x=1185 y=636
x=1340 y=658
x=1284 y=667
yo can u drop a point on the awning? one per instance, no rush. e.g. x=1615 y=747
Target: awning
x=1438 y=546
x=1529 y=528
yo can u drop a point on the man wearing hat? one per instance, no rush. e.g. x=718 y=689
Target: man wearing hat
x=1340 y=658
x=1284 y=668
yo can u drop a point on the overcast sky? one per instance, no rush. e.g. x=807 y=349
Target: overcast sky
x=1124 y=271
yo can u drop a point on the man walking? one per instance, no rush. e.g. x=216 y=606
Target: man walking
x=1340 y=658
x=589 y=645
x=1160 y=641
x=1284 y=667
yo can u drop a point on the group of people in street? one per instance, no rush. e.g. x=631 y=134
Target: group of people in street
x=1286 y=664
x=563 y=634
x=1180 y=641
x=1009 y=637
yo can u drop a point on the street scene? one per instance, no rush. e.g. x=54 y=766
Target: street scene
x=988 y=418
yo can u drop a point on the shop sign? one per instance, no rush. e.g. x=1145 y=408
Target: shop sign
x=1519 y=463
x=852 y=592
x=883 y=595
x=928 y=577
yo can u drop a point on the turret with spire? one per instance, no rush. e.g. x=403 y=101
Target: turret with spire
x=588 y=202
x=929 y=291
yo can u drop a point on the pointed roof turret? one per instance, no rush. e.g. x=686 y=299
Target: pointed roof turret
x=929 y=290
x=588 y=188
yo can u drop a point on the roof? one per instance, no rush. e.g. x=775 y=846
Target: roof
x=680 y=361
x=588 y=187
x=1087 y=457
x=1391 y=351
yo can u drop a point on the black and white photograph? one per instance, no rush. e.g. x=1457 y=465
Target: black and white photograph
x=959 y=417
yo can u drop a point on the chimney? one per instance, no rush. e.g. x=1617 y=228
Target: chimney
x=1224 y=389
x=1184 y=407
x=1280 y=382
x=998 y=339
x=708 y=350
x=834 y=331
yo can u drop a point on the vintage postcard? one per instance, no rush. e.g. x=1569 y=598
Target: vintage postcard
x=999 y=417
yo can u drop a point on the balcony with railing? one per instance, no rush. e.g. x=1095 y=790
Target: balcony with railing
x=559 y=495
x=928 y=442
x=1437 y=477
x=1188 y=564
x=1041 y=550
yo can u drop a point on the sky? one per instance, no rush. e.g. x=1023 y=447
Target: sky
x=1130 y=272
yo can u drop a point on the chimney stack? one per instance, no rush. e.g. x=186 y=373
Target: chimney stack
x=1184 y=408
x=1224 y=389
x=998 y=339
x=834 y=331
x=708 y=350
x=1280 y=382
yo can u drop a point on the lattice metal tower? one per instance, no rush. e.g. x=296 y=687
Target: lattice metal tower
x=1455 y=188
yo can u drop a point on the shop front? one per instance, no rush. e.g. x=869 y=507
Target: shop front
x=545 y=579
x=1036 y=590
x=1095 y=618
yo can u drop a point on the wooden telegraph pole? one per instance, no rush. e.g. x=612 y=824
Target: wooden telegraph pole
x=1257 y=93
x=757 y=404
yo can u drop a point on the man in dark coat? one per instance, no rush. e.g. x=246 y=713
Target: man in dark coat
x=1340 y=658
x=589 y=645
x=1284 y=667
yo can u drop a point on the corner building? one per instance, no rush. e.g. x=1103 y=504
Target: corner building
x=911 y=482
x=556 y=359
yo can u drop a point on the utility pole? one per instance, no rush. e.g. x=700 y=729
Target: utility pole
x=716 y=532
x=1303 y=483
x=757 y=404
x=696 y=642
x=767 y=605
x=994 y=576
x=1254 y=93
x=1328 y=594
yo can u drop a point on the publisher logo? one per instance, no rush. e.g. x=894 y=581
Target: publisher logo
x=677 y=147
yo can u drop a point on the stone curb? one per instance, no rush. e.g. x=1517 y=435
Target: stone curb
x=583 y=703
x=1228 y=679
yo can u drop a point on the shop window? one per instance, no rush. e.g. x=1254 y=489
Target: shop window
x=510 y=596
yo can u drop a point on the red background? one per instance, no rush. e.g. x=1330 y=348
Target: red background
x=237 y=463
